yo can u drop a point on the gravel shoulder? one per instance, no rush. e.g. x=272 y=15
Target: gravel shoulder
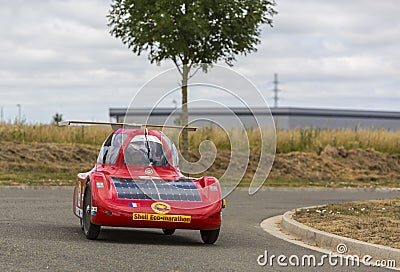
x=374 y=221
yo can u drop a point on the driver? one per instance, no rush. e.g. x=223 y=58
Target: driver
x=144 y=150
x=135 y=154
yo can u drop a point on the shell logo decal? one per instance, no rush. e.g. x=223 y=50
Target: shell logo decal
x=148 y=171
x=161 y=207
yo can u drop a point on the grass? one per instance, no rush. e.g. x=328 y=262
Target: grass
x=41 y=178
x=376 y=221
x=39 y=133
x=302 y=140
x=315 y=140
x=284 y=183
x=37 y=177
x=43 y=153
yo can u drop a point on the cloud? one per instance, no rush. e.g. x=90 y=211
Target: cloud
x=58 y=56
x=337 y=47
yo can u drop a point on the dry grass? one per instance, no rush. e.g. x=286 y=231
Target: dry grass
x=25 y=133
x=303 y=140
x=376 y=221
x=308 y=140
x=315 y=140
x=45 y=162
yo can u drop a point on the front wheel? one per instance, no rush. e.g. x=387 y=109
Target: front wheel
x=209 y=236
x=90 y=230
x=168 y=231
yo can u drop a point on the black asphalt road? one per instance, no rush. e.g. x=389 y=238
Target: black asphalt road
x=40 y=233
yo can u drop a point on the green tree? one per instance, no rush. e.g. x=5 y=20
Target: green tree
x=57 y=118
x=190 y=33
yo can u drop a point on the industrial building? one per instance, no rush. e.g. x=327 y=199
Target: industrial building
x=284 y=118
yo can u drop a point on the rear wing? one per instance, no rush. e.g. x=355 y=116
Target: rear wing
x=116 y=126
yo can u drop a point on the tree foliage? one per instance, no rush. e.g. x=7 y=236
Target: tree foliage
x=57 y=118
x=190 y=32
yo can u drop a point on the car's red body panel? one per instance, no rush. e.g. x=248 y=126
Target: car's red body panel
x=147 y=196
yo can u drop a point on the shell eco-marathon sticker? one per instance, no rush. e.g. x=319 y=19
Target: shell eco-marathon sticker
x=161 y=207
x=162 y=217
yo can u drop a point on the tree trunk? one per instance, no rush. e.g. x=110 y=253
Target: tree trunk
x=184 y=140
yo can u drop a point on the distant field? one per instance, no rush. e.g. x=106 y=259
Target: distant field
x=26 y=133
x=303 y=140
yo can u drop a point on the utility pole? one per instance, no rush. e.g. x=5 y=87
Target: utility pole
x=19 y=112
x=276 y=90
x=2 y=115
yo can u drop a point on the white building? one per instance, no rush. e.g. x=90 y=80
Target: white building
x=285 y=118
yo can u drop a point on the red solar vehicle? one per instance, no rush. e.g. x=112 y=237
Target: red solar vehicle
x=136 y=182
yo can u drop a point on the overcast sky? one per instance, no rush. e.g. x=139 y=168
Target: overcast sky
x=58 y=56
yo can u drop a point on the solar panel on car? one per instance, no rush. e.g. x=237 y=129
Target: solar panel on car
x=178 y=190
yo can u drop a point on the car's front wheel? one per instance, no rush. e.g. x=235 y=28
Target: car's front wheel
x=209 y=236
x=168 y=231
x=90 y=230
